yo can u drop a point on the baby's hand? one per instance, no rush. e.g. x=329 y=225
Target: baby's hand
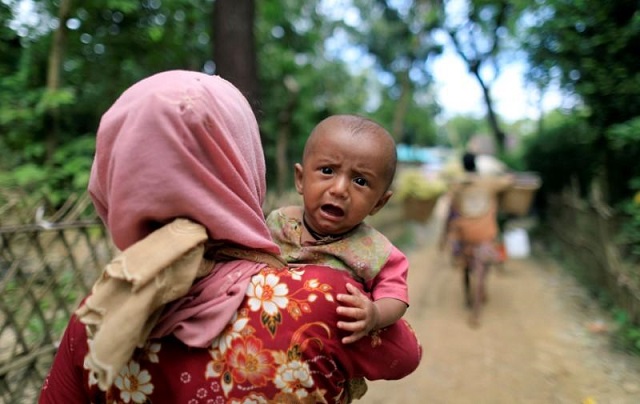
x=361 y=309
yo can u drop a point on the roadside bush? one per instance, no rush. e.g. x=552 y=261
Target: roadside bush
x=563 y=153
x=65 y=174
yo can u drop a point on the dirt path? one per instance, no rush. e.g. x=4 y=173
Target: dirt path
x=538 y=342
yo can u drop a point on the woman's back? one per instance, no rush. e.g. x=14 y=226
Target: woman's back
x=283 y=346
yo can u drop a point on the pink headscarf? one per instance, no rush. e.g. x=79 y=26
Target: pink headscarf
x=182 y=144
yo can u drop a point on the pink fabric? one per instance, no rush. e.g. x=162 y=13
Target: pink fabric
x=185 y=144
x=391 y=281
x=197 y=318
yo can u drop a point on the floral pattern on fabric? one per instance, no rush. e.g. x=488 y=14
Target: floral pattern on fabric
x=242 y=359
x=134 y=383
x=363 y=251
x=239 y=360
x=281 y=346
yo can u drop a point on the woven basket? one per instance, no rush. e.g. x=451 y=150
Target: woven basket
x=518 y=198
x=419 y=210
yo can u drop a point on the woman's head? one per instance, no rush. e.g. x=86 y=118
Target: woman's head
x=181 y=144
x=469 y=162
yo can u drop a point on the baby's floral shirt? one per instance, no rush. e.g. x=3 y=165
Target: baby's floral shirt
x=363 y=251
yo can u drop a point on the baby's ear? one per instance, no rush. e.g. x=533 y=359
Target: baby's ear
x=298 y=177
x=381 y=202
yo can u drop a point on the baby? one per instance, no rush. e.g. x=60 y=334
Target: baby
x=347 y=168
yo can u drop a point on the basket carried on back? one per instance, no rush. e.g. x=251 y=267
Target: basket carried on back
x=419 y=210
x=517 y=199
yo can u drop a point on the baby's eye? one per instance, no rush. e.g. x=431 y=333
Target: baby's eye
x=360 y=181
x=326 y=170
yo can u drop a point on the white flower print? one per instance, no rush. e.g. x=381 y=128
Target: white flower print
x=151 y=350
x=294 y=377
x=201 y=393
x=296 y=274
x=185 y=377
x=231 y=331
x=268 y=293
x=252 y=398
x=215 y=387
x=133 y=383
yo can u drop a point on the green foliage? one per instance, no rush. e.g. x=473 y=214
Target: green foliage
x=630 y=225
x=66 y=173
x=398 y=42
x=110 y=44
x=626 y=134
x=420 y=128
x=126 y=6
x=627 y=335
x=461 y=128
x=592 y=46
x=625 y=140
x=20 y=121
x=24 y=176
x=564 y=153
x=297 y=78
x=53 y=100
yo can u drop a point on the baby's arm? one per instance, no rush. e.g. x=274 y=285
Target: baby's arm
x=390 y=310
x=367 y=315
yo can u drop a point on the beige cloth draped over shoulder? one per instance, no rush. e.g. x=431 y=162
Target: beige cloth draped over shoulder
x=126 y=300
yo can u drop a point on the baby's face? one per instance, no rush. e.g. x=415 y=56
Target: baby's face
x=343 y=179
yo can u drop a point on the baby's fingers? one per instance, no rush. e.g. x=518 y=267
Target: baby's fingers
x=347 y=299
x=351 y=312
x=355 y=298
x=354 y=291
x=349 y=339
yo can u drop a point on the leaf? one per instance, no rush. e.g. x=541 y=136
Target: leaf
x=271 y=322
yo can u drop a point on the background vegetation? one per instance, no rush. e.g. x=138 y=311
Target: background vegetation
x=64 y=62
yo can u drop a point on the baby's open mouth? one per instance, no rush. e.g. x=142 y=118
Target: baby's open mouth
x=332 y=210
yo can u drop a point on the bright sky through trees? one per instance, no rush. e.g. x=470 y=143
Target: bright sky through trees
x=459 y=92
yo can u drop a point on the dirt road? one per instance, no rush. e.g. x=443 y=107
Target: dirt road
x=541 y=340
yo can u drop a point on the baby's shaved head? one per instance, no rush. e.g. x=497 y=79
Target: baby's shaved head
x=367 y=129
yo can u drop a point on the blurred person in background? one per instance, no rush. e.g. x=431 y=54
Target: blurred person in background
x=471 y=229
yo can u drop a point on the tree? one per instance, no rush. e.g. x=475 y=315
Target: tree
x=400 y=38
x=461 y=128
x=234 y=50
x=478 y=36
x=302 y=81
x=56 y=57
x=591 y=48
x=69 y=75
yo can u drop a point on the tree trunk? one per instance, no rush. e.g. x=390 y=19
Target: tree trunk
x=492 y=119
x=56 y=56
x=402 y=106
x=234 y=50
x=285 y=124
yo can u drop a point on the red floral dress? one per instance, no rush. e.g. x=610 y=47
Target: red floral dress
x=282 y=346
